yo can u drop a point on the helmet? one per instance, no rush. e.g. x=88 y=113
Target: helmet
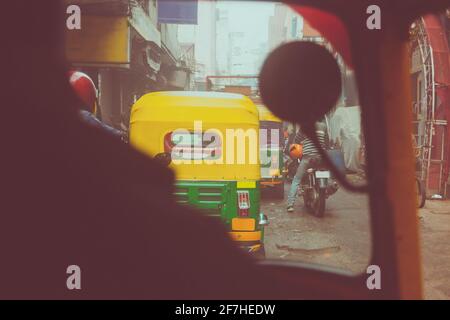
x=295 y=151
x=85 y=89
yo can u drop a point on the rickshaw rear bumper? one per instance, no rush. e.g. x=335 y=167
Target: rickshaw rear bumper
x=249 y=241
x=246 y=236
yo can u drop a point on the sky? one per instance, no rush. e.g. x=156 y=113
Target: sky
x=249 y=17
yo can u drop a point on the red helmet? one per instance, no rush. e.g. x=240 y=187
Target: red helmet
x=84 y=87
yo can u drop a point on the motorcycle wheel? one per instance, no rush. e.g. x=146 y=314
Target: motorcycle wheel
x=421 y=196
x=306 y=201
x=319 y=205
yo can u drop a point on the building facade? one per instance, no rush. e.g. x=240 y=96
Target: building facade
x=127 y=52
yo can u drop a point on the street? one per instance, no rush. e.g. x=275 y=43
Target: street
x=342 y=238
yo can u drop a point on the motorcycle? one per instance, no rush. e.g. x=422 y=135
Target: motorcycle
x=316 y=186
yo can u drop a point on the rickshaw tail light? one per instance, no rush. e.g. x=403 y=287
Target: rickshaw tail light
x=243 y=203
x=168 y=145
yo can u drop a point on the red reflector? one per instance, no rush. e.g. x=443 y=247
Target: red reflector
x=243 y=203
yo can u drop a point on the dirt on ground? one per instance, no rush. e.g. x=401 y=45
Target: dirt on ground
x=342 y=237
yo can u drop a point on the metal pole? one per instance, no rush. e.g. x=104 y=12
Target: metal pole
x=431 y=133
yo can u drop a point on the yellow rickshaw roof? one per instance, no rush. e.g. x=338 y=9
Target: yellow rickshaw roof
x=266 y=115
x=168 y=105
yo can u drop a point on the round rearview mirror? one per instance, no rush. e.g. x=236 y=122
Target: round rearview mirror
x=300 y=82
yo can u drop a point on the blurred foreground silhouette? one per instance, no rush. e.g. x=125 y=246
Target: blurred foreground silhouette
x=74 y=195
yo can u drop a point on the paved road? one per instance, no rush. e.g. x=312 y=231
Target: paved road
x=342 y=238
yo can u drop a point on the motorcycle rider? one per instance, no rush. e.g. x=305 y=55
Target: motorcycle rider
x=309 y=152
x=85 y=89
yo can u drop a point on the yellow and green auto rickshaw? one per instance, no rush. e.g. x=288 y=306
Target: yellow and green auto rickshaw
x=271 y=152
x=212 y=140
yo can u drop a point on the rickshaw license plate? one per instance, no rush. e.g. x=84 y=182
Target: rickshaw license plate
x=243 y=224
x=323 y=174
